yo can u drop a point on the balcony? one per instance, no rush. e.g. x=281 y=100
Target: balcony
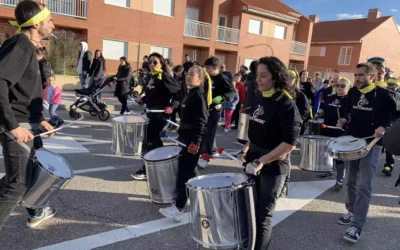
x=227 y=35
x=196 y=29
x=71 y=8
x=299 y=48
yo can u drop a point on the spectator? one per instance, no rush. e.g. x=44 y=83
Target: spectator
x=169 y=66
x=123 y=79
x=44 y=66
x=320 y=94
x=251 y=86
x=242 y=97
x=244 y=72
x=229 y=107
x=226 y=73
x=180 y=77
x=318 y=81
x=145 y=64
x=307 y=87
x=188 y=63
x=96 y=72
x=83 y=66
x=53 y=95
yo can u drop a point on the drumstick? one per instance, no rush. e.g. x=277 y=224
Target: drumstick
x=222 y=151
x=62 y=127
x=338 y=113
x=331 y=127
x=365 y=138
x=154 y=111
x=173 y=123
x=369 y=147
x=171 y=139
x=319 y=103
x=2 y=130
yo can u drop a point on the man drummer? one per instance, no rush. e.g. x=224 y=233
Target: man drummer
x=21 y=107
x=369 y=114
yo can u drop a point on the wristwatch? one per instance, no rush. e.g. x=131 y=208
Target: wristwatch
x=256 y=163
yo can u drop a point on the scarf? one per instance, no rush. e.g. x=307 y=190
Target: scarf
x=381 y=84
x=157 y=71
x=272 y=91
x=209 y=92
x=367 y=89
x=80 y=62
x=38 y=18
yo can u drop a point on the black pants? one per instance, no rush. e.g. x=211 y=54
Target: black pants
x=124 y=101
x=173 y=115
x=186 y=170
x=209 y=145
x=235 y=116
x=18 y=166
x=389 y=159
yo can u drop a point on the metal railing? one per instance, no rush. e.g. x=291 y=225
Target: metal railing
x=72 y=8
x=227 y=35
x=197 y=29
x=9 y=2
x=299 y=48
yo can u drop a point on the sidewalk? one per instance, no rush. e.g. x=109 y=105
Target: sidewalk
x=112 y=102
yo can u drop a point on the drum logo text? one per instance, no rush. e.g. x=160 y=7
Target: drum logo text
x=203 y=216
x=361 y=103
x=258 y=112
x=205 y=224
x=51 y=168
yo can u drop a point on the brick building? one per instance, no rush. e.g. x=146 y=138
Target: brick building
x=345 y=43
x=236 y=31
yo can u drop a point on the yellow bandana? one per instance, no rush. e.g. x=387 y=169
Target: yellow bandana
x=367 y=89
x=40 y=17
x=268 y=93
x=381 y=84
x=209 y=92
x=394 y=81
x=157 y=71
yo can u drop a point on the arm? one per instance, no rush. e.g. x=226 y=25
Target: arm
x=89 y=57
x=229 y=91
x=201 y=121
x=126 y=75
x=303 y=105
x=170 y=84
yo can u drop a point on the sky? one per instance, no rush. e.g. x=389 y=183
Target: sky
x=344 y=9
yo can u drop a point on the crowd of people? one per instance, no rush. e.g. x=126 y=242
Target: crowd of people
x=279 y=102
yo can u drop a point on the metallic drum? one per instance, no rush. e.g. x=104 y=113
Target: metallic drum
x=314 y=154
x=243 y=127
x=162 y=169
x=50 y=173
x=314 y=127
x=129 y=135
x=218 y=213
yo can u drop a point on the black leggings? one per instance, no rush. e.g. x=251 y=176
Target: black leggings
x=124 y=101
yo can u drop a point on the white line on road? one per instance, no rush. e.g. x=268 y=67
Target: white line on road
x=95 y=142
x=75 y=135
x=90 y=170
x=301 y=193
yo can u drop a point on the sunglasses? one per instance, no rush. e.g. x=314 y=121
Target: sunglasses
x=392 y=84
x=340 y=86
x=153 y=62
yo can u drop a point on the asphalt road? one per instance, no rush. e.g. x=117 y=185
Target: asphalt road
x=102 y=207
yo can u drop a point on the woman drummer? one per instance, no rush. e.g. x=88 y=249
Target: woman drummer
x=161 y=94
x=332 y=109
x=193 y=115
x=274 y=127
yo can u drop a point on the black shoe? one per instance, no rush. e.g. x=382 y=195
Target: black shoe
x=387 y=170
x=352 y=234
x=59 y=123
x=140 y=174
x=34 y=221
x=285 y=191
x=326 y=175
x=346 y=219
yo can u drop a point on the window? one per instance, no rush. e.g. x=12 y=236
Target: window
x=120 y=3
x=222 y=20
x=255 y=27
x=164 y=7
x=221 y=58
x=323 y=51
x=280 y=32
x=63 y=7
x=317 y=51
x=345 y=55
x=248 y=61
x=164 y=51
x=114 y=49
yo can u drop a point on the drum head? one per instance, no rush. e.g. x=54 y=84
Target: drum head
x=53 y=163
x=215 y=181
x=162 y=154
x=129 y=119
x=346 y=144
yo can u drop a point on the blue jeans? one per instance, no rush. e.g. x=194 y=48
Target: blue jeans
x=52 y=111
x=82 y=78
x=359 y=185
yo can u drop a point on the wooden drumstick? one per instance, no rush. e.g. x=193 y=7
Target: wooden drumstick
x=338 y=113
x=369 y=147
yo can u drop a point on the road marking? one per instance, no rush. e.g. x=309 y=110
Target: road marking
x=90 y=170
x=301 y=193
x=95 y=143
x=75 y=135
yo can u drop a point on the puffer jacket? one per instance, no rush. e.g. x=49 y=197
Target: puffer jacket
x=124 y=76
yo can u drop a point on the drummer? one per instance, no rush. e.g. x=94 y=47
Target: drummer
x=274 y=127
x=370 y=113
x=335 y=107
x=194 y=115
x=161 y=94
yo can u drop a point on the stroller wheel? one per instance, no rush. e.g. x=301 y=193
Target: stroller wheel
x=104 y=115
x=135 y=94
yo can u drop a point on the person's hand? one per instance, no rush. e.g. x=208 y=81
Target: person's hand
x=217 y=100
x=193 y=148
x=241 y=156
x=379 y=132
x=316 y=116
x=168 y=110
x=341 y=122
x=22 y=135
x=45 y=126
x=114 y=78
x=254 y=167
x=84 y=72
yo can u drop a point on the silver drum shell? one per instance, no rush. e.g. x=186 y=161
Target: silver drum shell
x=314 y=154
x=243 y=127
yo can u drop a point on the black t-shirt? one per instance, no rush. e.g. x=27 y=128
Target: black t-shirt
x=308 y=89
x=21 y=97
x=330 y=106
x=222 y=86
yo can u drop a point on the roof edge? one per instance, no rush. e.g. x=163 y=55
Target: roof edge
x=254 y=10
x=333 y=42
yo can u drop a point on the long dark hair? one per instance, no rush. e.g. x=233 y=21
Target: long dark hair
x=162 y=60
x=101 y=58
x=301 y=74
x=280 y=76
x=123 y=58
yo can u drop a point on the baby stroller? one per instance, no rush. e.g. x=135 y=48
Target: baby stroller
x=88 y=101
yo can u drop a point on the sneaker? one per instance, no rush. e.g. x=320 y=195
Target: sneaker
x=129 y=112
x=326 y=175
x=352 y=234
x=346 y=219
x=140 y=174
x=215 y=154
x=172 y=212
x=387 y=170
x=202 y=163
x=339 y=185
x=59 y=123
x=34 y=221
x=285 y=191
x=227 y=130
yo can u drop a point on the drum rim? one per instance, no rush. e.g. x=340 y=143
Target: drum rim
x=62 y=159
x=316 y=137
x=190 y=186
x=352 y=151
x=146 y=120
x=169 y=146
x=314 y=121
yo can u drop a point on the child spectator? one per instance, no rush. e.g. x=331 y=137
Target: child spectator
x=229 y=107
x=53 y=94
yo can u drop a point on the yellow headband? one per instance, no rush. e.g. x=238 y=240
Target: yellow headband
x=394 y=81
x=38 y=18
x=292 y=72
x=347 y=80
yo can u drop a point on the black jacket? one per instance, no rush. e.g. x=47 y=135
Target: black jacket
x=87 y=58
x=303 y=104
x=330 y=108
x=124 y=76
x=251 y=91
x=309 y=90
x=194 y=116
x=184 y=88
x=97 y=68
x=162 y=93
x=45 y=71
x=187 y=66
x=222 y=86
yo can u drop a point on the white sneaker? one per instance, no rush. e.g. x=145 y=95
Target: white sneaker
x=172 y=212
x=202 y=163
x=227 y=130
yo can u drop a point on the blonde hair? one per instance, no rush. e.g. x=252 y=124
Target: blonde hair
x=346 y=80
x=199 y=70
x=51 y=76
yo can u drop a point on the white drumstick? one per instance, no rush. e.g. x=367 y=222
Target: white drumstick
x=62 y=127
x=154 y=111
x=2 y=130
x=171 y=139
x=222 y=151
x=173 y=123
x=331 y=127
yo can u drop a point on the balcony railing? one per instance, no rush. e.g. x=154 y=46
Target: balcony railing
x=299 y=48
x=9 y=2
x=197 y=29
x=227 y=35
x=72 y=8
